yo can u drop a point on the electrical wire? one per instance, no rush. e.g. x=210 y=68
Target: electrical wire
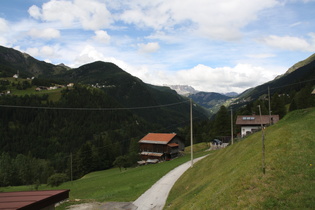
x=92 y=109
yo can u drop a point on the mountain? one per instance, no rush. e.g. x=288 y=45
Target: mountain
x=295 y=78
x=231 y=94
x=298 y=65
x=130 y=91
x=13 y=61
x=183 y=89
x=210 y=100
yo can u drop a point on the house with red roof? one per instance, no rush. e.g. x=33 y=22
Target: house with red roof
x=155 y=147
x=252 y=123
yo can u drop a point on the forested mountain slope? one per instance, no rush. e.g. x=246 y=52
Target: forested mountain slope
x=293 y=80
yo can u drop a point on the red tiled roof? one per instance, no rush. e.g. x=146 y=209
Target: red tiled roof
x=255 y=119
x=29 y=200
x=162 y=138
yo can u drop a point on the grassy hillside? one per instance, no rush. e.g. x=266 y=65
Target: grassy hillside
x=113 y=184
x=232 y=178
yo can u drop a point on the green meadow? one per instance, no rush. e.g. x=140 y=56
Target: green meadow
x=233 y=178
x=113 y=184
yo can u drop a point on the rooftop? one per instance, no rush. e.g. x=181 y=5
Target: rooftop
x=256 y=119
x=158 y=138
x=30 y=200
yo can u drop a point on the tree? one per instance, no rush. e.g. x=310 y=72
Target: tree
x=222 y=122
x=57 y=179
x=121 y=161
x=278 y=105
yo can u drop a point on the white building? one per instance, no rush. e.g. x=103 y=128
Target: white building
x=252 y=123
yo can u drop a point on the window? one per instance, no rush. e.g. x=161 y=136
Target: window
x=248 y=118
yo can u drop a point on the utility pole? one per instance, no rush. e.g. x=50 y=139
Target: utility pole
x=191 y=135
x=269 y=106
x=232 y=139
x=71 y=167
x=263 y=142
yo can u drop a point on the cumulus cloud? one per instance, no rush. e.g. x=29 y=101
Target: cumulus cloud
x=91 y=15
x=4 y=26
x=223 y=79
x=211 y=18
x=48 y=33
x=205 y=78
x=291 y=43
x=101 y=36
x=149 y=47
x=44 y=51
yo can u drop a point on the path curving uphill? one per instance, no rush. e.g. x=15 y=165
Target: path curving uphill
x=155 y=197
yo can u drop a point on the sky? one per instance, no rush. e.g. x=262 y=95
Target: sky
x=214 y=46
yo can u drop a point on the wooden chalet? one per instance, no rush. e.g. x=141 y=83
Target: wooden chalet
x=155 y=147
x=252 y=123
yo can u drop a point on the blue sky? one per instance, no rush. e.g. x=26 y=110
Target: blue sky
x=214 y=46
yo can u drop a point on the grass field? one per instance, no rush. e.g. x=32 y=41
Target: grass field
x=53 y=95
x=232 y=178
x=113 y=185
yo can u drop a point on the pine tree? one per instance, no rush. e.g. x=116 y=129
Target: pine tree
x=222 y=122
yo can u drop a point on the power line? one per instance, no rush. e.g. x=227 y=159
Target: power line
x=92 y=109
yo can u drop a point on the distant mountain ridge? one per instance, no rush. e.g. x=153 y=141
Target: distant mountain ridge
x=12 y=61
x=185 y=90
x=210 y=100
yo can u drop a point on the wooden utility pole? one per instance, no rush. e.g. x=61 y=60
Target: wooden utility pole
x=191 y=135
x=232 y=139
x=71 y=167
x=269 y=106
x=263 y=142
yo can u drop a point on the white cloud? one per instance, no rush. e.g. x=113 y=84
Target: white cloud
x=34 y=12
x=44 y=51
x=4 y=26
x=205 y=78
x=48 y=33
x=101 y=36
x=149 y=47
x=291 y=43
x=87 y=55
x=91 y=15
x=223 y=79
x=211 y=18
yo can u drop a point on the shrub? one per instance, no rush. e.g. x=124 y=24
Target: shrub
x=57 y=179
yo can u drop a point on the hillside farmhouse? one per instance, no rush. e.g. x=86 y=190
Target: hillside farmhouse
x=155 y=147
x=252 y=123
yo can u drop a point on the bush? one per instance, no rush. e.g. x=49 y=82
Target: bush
x=57 y=179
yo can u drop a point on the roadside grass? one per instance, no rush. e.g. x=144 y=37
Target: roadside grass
x=232 y=178
x=113 y=184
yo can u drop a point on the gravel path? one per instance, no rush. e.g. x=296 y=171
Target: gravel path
x=155 y=197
